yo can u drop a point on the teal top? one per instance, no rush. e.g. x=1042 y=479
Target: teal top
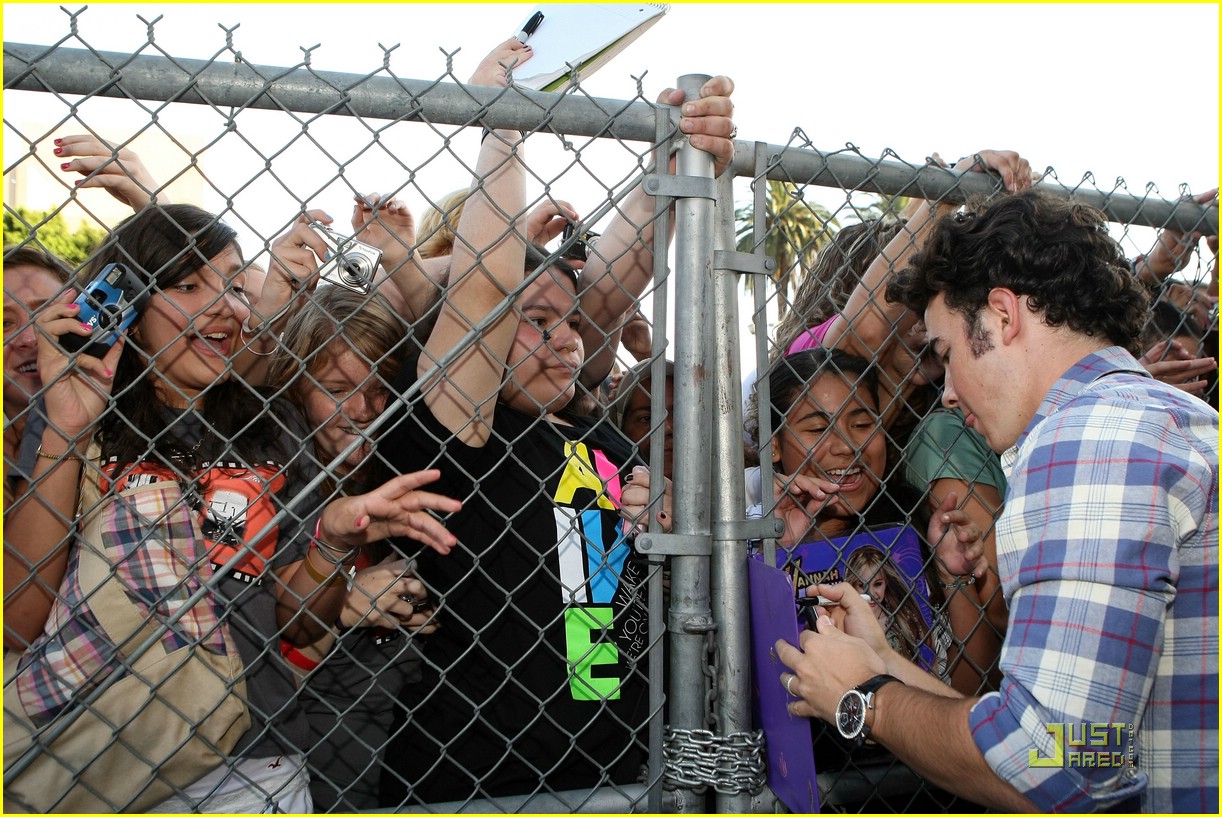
x=943 y=447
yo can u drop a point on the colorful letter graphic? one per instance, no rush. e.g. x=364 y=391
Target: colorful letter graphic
x=592 y=552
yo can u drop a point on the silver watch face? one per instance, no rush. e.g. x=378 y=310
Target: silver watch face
x=851 y=714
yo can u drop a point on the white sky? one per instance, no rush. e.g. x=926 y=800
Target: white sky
x=1116 y=90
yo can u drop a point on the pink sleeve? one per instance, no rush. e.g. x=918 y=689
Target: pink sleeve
x=811 y=337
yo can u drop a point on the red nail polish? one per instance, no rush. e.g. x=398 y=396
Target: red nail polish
x=65 y=165
x=58 y=151
x=79 y=182
x=59 y=141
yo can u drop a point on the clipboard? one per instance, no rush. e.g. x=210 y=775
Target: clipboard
x=585 y=36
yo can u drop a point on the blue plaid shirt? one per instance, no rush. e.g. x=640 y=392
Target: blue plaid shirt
x=1108 y=554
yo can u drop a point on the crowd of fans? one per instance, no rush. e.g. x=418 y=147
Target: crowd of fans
x=407 y=513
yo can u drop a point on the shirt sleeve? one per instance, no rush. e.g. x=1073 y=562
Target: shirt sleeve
x=812 y=338
x=1087 y=551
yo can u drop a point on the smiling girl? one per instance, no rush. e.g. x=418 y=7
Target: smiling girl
x=336 y=358
x=829 y=454
x=828 y=444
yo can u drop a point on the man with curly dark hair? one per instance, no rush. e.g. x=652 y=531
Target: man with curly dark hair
x=1107 y=547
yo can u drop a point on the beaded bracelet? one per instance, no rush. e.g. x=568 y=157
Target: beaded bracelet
x=959 y=582
x=57 y=457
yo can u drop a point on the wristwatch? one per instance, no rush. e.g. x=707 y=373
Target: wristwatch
x=853 y=705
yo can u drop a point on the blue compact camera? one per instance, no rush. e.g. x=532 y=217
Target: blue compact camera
x=109 y=304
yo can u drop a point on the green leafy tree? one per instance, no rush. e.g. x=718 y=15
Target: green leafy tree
x=51 y=231
x=795 y=230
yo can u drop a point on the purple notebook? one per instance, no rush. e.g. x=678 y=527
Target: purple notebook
x=791 y=755
x=884 y=563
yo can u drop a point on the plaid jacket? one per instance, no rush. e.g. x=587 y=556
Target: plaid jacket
x=152 y=537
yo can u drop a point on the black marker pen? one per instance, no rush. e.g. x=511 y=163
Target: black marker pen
x=532 y=25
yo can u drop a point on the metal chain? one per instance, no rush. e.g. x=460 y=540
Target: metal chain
x=697 y=759
x=711 y=667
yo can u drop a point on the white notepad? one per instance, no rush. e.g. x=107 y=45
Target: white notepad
x=583 y=35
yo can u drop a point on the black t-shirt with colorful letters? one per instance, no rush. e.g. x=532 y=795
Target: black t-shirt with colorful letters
x=538 y=672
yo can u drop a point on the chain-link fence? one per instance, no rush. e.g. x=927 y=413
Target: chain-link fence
x=554 y=657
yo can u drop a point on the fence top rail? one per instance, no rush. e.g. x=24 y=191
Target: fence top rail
x=242 y=85
x=302 y=89
x=851 y=171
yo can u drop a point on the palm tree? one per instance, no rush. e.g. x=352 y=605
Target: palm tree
x=795 y=230
x=883 y=206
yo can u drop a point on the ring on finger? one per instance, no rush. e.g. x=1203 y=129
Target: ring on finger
x=789 y=685
x=417 y=604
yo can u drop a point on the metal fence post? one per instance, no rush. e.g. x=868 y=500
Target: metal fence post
x=761 y=160
x=690 y=619
x=730 y=594
x=663 y=281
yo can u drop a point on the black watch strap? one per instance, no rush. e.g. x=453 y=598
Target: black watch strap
x=875 y=684
x=868 y=688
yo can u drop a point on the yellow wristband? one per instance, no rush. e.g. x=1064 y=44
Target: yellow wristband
x=320 y=577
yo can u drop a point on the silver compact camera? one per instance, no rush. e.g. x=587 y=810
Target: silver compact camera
x=353 y=264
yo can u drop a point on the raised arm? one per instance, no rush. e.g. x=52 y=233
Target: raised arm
x=1171 y=253
x=486 y=268
x=412 y=284
x=1172 y=249
x=867 y=323
x=621 y=266
x=292 y=274
x=38 y=528
x=118 y=171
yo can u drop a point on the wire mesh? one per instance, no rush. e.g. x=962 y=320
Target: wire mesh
x=521 y=671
